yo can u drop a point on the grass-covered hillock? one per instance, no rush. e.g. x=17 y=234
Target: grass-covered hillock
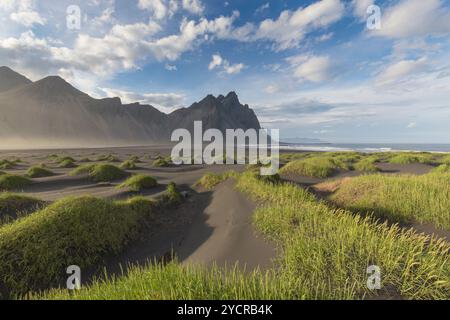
x=36 y=250
x=13 y=182
x=13 y=206
x=421 y=199
x=139 y=182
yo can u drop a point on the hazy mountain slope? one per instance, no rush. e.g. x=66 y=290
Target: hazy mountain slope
x=10 y=79
x=51 y=112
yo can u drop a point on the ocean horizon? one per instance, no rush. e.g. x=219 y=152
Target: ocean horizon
x=367 y=147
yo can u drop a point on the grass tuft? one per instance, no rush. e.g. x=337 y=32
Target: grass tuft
x=139 y=182
x=313 y=167
x=73 y=231
x=106 y=173
x=38 y=172
x=128 y=165
x=100 y=172
x=399 y=198
x=367 y=165
x=13 y=206
x=162 y=162
x=13 y=182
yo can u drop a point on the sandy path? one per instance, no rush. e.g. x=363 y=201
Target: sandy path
x=231 y=239
x=209 y=227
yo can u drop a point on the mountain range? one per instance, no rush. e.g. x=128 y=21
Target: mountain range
x=52 y=113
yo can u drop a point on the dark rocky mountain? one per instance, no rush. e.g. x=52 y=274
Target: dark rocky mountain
x=50 y=112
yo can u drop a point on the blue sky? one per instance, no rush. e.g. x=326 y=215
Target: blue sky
x=310 y=68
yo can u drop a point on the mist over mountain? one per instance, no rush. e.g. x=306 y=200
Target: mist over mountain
x=52 y=113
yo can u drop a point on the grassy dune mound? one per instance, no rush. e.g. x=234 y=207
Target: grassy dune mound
x=443 y=168
x=366 y=165
x=100 y=172
x=344 y=245
x=7 y=164
x=399 y=198
x=406 y=158
x=36 y=250
x=13 y=182
x=128 y=165
x=311 y=167
x=38 y=172
x=162 y=162
x=106 y=173
x=139 y=182
x=67 y=163
x=108 y=158
x=13 y=206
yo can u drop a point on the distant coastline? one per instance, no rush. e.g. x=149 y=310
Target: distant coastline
x=366 y=147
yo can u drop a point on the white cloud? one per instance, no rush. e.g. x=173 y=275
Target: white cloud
x=291 y=27
x=162 y=9
x=360 y=7
x=122 y=48
x=193 y=6
x=401 y=70
x=411 y=18
x=157 y=7
x=215 y=62
x=170 y=67
x=311 y=68
x=224 y=65
x=23 y=12
x=271 y=89
x=411 y=125
x=263 y=8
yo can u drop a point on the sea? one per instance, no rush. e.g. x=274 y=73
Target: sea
x=366 y=147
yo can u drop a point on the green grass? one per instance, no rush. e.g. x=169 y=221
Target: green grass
x=135 y=159
x=65 y=159
x=36 y=250
x=67 y=163
x=128 y=165
x=6 y=164
x=443 y=168
x=444 y=159
x=324 y=254
x=100 y=172
x=312 y=167
x=108 y=158
x=139 y=182
x=399 y=198
x=210 y=180
x=407 y=158
x=162 y=162
x=106 y=173
x=38 y=172
x=13 y=206
x=366 y=165
x=83 y=169
x=13 y=182
x=173 y=281
x=326 y=251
